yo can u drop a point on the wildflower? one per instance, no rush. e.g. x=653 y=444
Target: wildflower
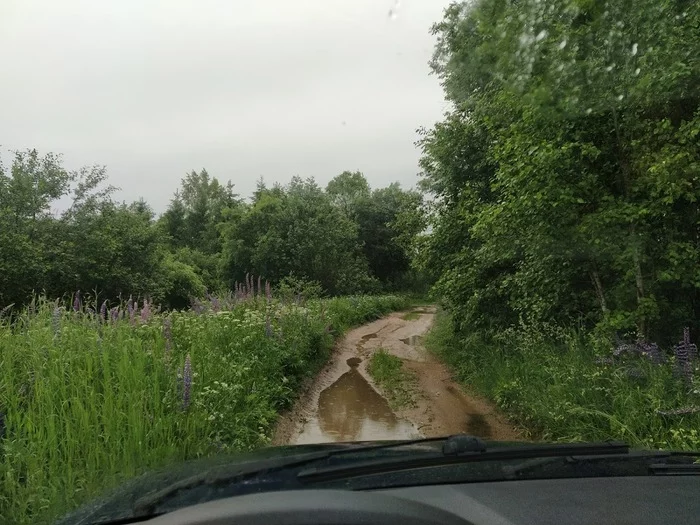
x=168 y=334
x=692 y=348
x=103 y=311
x=114 y=314
x=187 y=382
x=683 y=363
x=76 y=301
x=145 y=311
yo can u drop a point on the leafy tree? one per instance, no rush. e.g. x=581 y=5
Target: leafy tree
x=553 y=196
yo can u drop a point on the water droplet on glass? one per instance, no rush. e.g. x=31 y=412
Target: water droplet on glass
x=635 y=48
x=637 y=71
x=562 y=44
x=541 y=35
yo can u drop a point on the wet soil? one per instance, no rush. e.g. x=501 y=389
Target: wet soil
x=344 y=404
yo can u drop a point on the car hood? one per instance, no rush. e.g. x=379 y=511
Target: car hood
x=120 y=501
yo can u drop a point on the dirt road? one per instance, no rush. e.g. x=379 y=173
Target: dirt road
x=344 y=404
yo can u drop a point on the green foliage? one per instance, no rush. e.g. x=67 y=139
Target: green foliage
x=291 y=287
x=565 y=178
x=555 y=383
x=87 y=403
x=388 y=372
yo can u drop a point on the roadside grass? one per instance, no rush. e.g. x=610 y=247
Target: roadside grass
x=559 y=387
x=88 y=400
x=398 y=384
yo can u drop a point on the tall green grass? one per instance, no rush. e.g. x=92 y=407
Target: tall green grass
x=86 y=403
x=554 y=383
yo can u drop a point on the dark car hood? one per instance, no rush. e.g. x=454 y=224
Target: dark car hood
x=120 y=502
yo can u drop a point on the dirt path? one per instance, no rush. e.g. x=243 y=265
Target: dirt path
x=344 y=404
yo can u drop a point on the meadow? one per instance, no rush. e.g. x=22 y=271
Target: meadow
x=93 y=396
x=565 y=385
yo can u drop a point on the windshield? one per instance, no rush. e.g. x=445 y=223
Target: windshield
x=228 y=227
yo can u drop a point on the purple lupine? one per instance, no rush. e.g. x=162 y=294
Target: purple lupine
x=114 y=314
x=692 y=348
x=76 y=301
x=651 y=351
x=168 y=334
x=215 y=303
x=103 y=311
x=684 y=366
x=145 y=311
x=186 y=382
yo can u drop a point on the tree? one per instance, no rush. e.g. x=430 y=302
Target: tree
x=553 y=200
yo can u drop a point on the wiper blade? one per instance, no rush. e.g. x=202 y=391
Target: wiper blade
x=452 y=453
x=223 y=475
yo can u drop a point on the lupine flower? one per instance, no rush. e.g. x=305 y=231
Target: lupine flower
x=145 y=311
x=186 y=382
x=76 y=301
x=650 y=350
x=103 y=311
x=215 y=303
x=684 y=367
x=168 y=334
x=692 y=348
x=56 y=321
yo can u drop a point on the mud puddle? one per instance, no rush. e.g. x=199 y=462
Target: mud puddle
x=343 y=403
x=352 y=410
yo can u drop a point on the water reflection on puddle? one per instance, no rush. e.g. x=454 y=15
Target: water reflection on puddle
x=413 y=340
x=351 y=410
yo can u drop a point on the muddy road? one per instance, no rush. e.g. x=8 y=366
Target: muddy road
x=344 y=404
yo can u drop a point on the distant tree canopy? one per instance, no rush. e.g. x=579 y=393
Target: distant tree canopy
x=565 y=181
x=346 y=238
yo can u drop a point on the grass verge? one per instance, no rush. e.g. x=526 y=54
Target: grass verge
x=397 y=382
x=88 y=400
x=559 y=387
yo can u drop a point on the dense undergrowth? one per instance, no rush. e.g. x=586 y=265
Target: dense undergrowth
x=565 y=386
x=89 y=399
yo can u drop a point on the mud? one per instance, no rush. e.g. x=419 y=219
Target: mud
x=343 y=403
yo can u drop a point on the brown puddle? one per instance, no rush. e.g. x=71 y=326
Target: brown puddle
x=413 y=340
x=351 y=410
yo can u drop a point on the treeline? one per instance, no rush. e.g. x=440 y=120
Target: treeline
x=346 y=238
x=566 y=177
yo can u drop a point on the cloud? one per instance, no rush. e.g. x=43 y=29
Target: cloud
x=246 y=89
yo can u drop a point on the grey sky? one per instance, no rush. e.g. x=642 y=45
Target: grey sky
x=153 y=89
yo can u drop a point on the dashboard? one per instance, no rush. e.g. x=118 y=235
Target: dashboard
x=639 y=500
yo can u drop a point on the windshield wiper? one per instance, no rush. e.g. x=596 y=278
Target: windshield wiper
x=458 y=449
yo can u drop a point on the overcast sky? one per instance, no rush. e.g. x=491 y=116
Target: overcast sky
x=156 y=88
